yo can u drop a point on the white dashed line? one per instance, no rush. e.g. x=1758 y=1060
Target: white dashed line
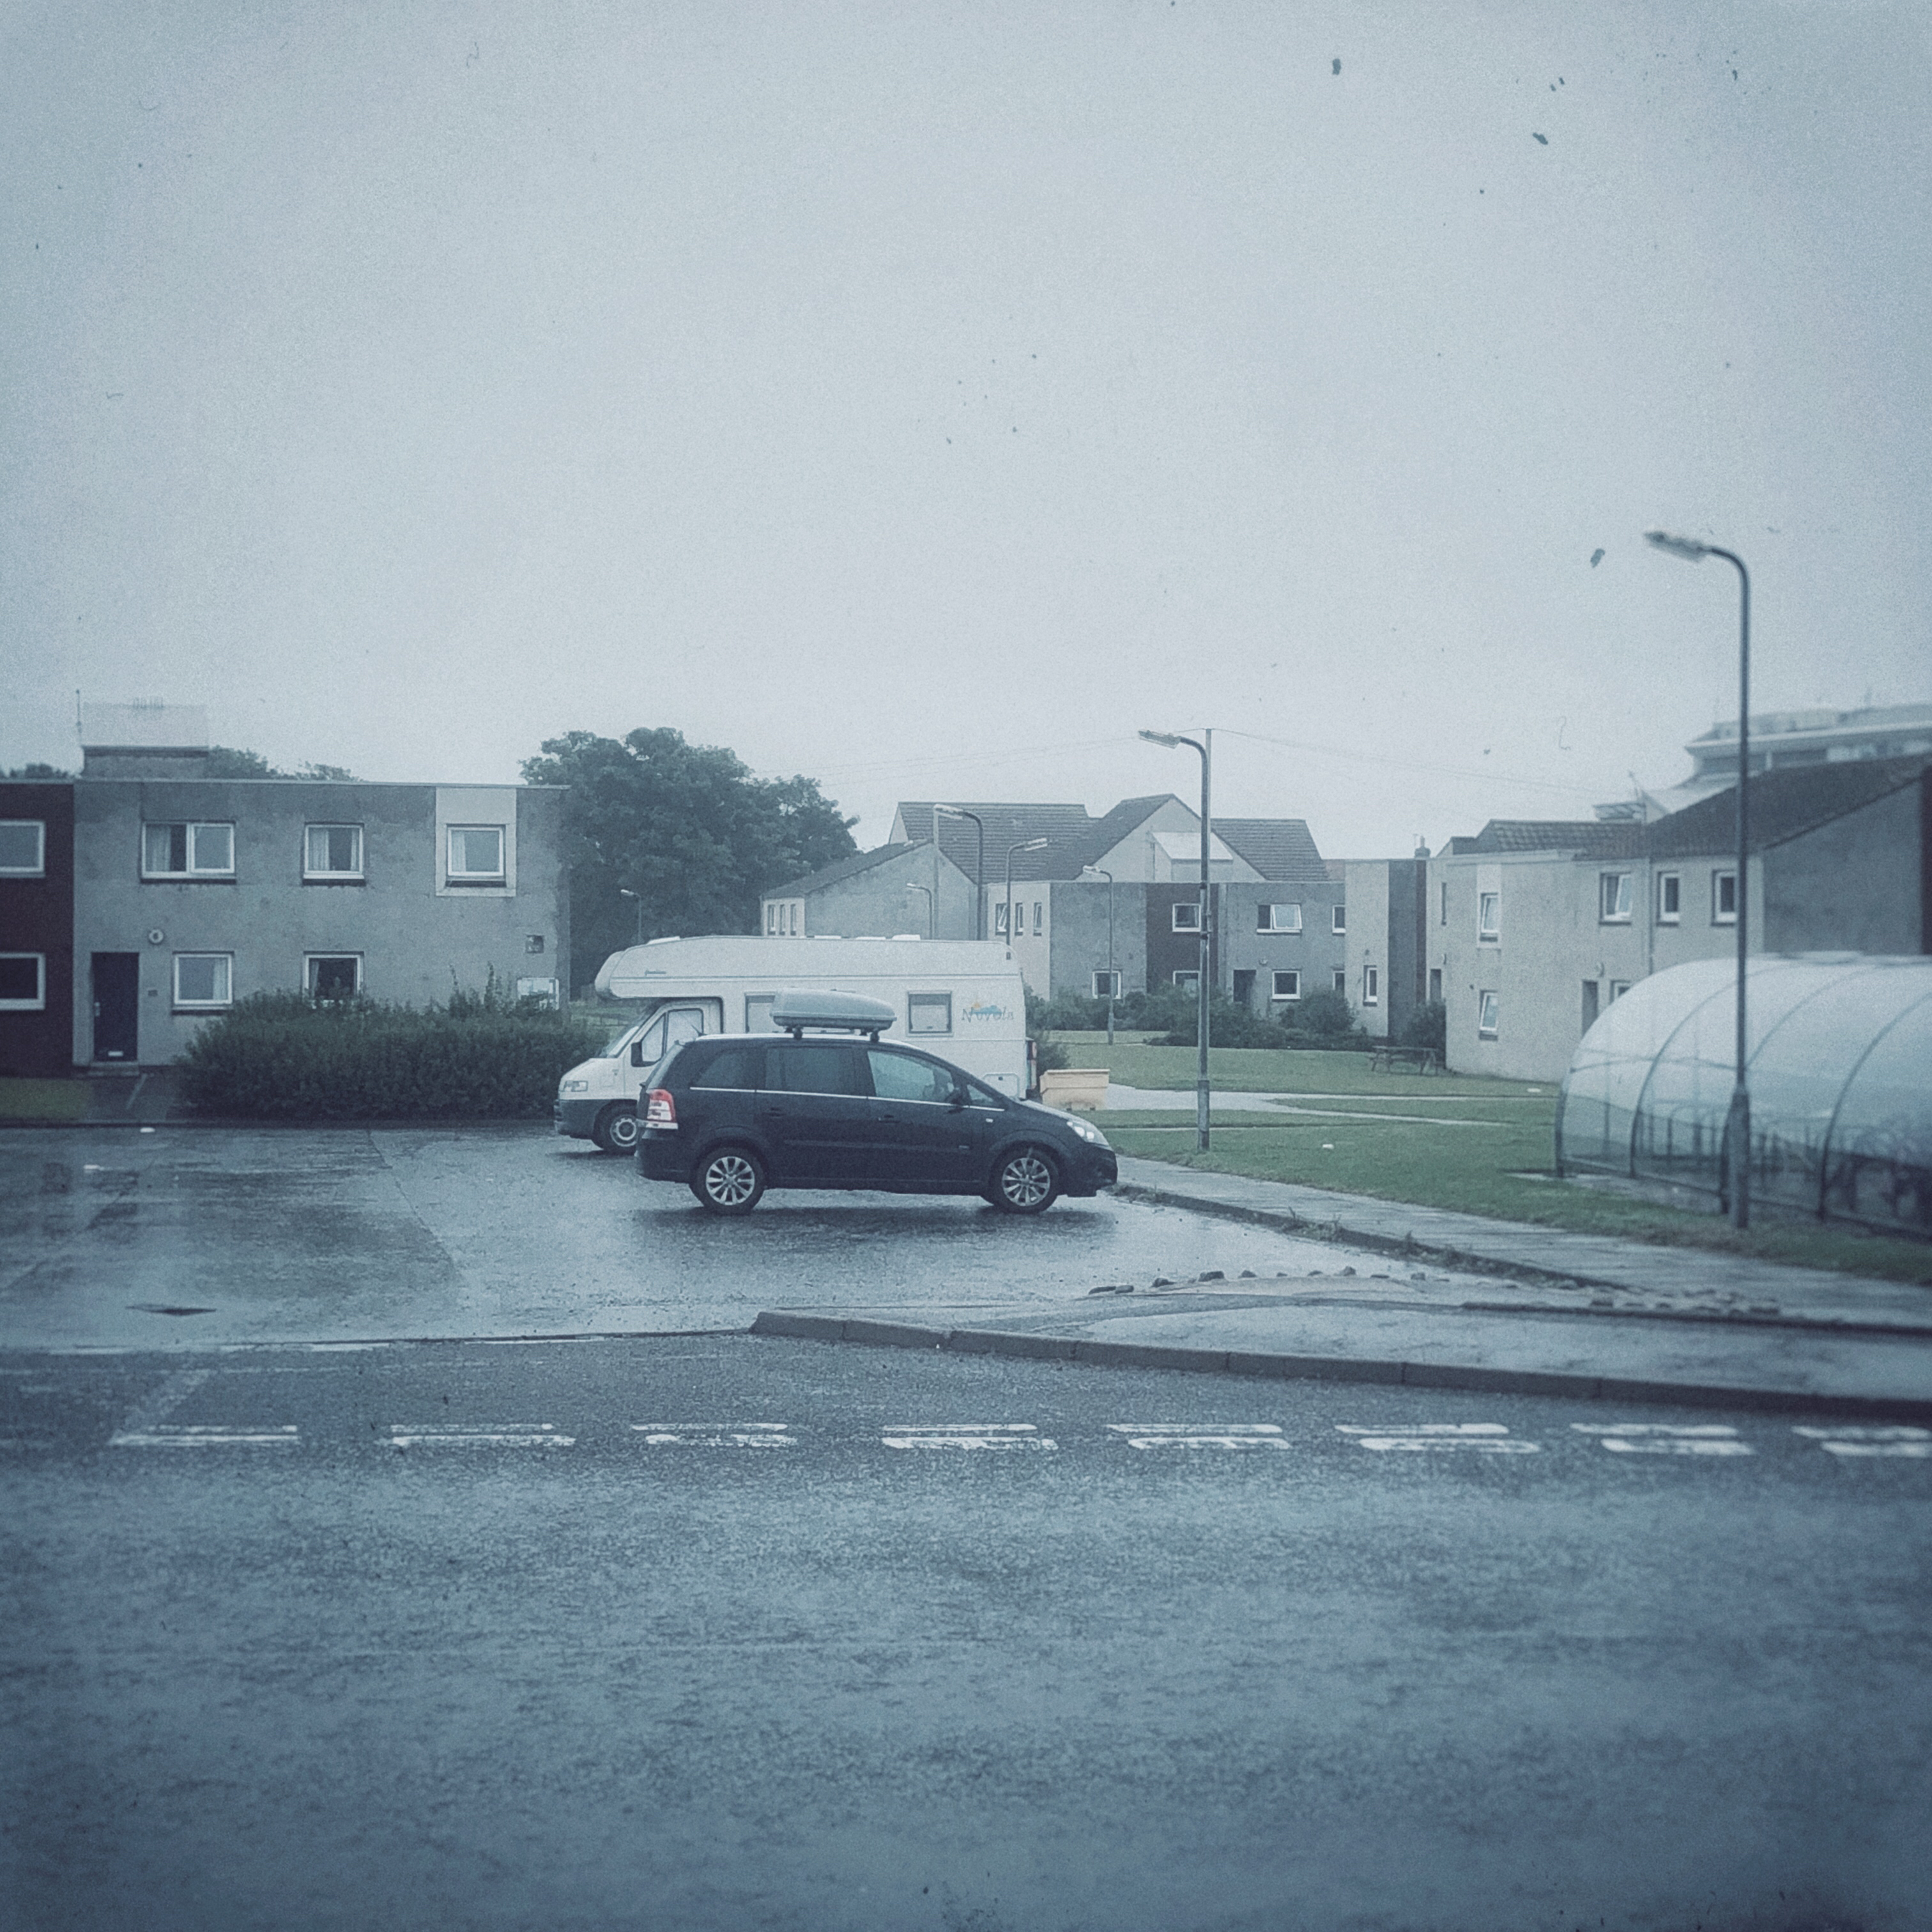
x=1200 y=1436
x=966 y=1436
x=1663 y=1439
x=716 y=1434
x=165 y=1435
x=1481 y=1438
x=478 y=1436
x=1848 y=1440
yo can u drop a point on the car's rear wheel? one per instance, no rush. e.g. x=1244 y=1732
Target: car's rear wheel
x=1024 y=1182
x=729 y=1180
x=616 y=1131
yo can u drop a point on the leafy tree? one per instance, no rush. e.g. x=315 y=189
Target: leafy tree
x=687 y=828
x=224 y=762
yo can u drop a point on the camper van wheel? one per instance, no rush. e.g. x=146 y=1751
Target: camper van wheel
x=1024 y=1182
x=729 y=1180
x=616 y=1131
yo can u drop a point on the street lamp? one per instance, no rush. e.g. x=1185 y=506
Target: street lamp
x=1739 y=1129
x=1108 y=877
x=1206 y=749
x=624 y=892
x=979 y=864
x=1024 y=845
x=932 y=929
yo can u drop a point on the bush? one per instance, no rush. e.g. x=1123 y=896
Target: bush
x=1328 y=1015
x=284 y=1057
x=1427 y=1026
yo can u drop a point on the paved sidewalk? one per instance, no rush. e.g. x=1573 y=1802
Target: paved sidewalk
x=1615 y=1321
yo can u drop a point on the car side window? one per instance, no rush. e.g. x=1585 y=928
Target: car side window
x=898 y=1076
x=731 y=1066
x=806 y=1066
x=979 y=1095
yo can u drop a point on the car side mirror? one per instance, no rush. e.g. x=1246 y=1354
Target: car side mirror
x=957 y=1099
x=637 y=1053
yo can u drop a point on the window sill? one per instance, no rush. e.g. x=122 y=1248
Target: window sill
x=198 y=1012
x=469 y=885
x=188 y=878
x=333 y=879
x=1620 y=921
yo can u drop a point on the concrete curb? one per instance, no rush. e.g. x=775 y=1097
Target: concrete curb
x=1333 y=1368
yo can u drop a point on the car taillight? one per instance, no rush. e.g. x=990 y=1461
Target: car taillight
x=660 y=1109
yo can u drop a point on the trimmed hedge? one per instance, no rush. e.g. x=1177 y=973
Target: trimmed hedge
x=282 y=1057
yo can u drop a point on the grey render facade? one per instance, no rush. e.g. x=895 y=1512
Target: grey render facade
x=890 y=890
x=1534 y=928
x=190 y=893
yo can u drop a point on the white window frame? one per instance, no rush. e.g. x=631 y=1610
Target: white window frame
x=1338 y=919
x=38 y=1003
x=190 y=827
x=1489 y=906
x=1039 y=917
x=311 y=960
x=548 y=990
x=215 y=1006
x=1102 y=990
x=1371 y=985
x=497 y=878
x=1669 y=899
x=1188 y=978
x=1341 y=977
x=38 y=869
x=1435 y=986
x=1294 y=979
x=1268 y=919
x=312 y=872
x=999 y=919
x=1613 y=898
x=1489 y=1014
x=1186 y=916
x=917 y=1002
x=1728 y=874
x=1618 y=987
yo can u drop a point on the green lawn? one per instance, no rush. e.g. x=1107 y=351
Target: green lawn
x=1498 y=1163
x=43 y=1100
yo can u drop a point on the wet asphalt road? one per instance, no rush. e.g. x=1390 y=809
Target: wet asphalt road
x=346 y=1234
x=457 y=1635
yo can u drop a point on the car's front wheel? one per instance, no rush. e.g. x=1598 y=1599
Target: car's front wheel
x=616 y=1131
x=729 y=1180
x=1024 y=1182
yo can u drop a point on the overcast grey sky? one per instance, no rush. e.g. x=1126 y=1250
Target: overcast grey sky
x=923 y=397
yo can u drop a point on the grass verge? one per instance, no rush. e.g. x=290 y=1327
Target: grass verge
x=43 y=1100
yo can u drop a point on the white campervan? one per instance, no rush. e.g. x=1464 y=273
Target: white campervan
x=961 y=999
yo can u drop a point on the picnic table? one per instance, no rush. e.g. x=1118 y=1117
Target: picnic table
x=1405 y=1060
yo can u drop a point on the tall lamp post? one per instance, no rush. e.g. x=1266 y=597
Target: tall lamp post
x=624 y=892
x=979 y=864
x=1738 y=1133
x=1103 y=873
x=1204 y=744
x=1024 y=845
x=931 y=916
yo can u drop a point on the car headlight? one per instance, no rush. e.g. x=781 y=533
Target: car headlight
x=577 y=1086
x=1087 y=1130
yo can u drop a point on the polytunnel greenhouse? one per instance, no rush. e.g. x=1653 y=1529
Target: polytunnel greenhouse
x=1839 y=1064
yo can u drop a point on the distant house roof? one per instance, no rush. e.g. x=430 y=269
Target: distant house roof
x=143 y=727
x=1600 y=839
x=1066 y=827
x=843 y=868
x=1277 y=848
x=1783 y=804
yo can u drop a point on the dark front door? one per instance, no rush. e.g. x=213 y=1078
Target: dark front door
x=1244 y=989
x=117 y=1006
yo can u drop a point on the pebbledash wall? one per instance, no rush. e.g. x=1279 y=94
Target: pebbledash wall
x=191 y=893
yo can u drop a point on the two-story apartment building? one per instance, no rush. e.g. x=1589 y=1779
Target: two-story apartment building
x=1535 y=927
x=36 y=927
x=190 y=892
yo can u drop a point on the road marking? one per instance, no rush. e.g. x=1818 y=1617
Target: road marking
x=966 y=1436
x=1664 y=1438
x=163 y=1399
x=1200 y=1436
x=166 y=1436
x=1848 y=1439
x=478 y=1436
x=716 y=1434
x=1482 y=1438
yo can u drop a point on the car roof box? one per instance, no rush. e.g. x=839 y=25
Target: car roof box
x=797 y=1008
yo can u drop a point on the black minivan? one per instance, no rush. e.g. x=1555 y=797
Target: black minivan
x=734 y=1114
